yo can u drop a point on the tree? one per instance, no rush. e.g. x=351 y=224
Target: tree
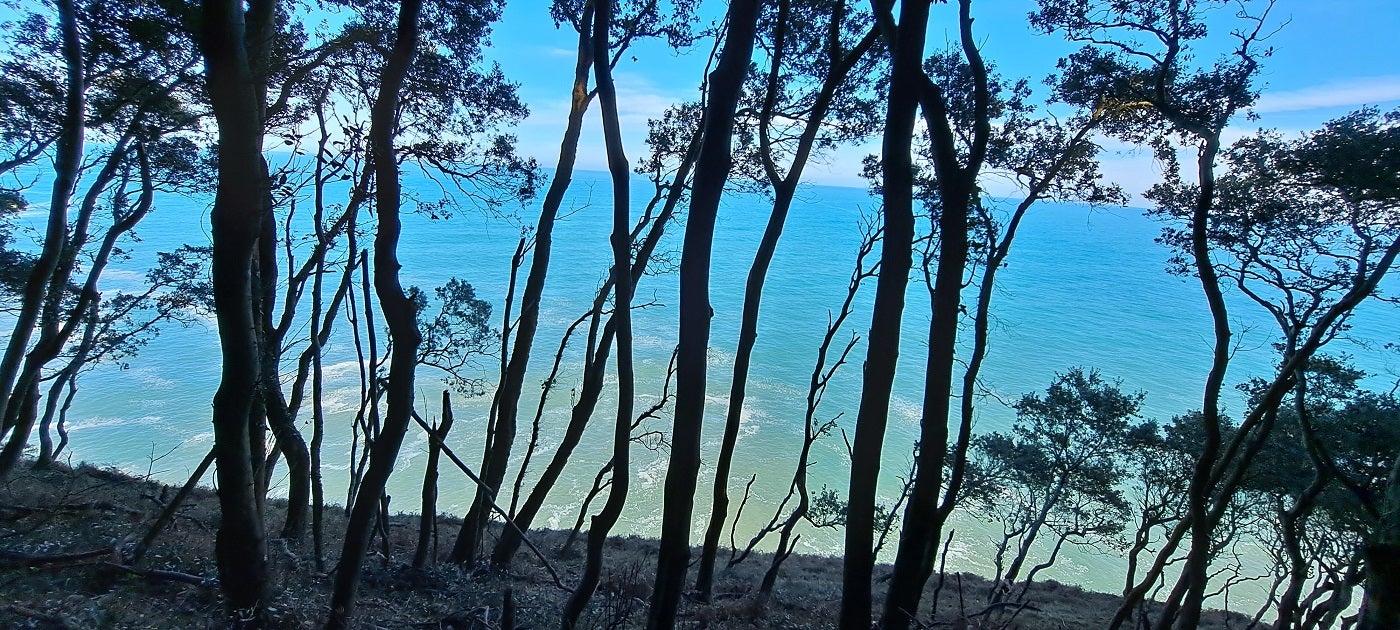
x=1137 y=67
x=118 y=326
x=400 y=313
x=1136 y=64
x=459 y=333
x=135 y=71
x=711 y=171
x=634 y=21
x=906 y=42
x=830 y=358
x=621 y=240
x=68 y=157
x=1307 y=231
x=675 y=142
x=815 y=94
x=233 y=44
x=1310 y=524
x=1059 y=471
x=1305 y=234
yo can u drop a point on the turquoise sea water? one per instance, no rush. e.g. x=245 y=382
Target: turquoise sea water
x=1082 y=288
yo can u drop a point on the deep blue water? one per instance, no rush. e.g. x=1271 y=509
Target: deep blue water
x=1082 y=288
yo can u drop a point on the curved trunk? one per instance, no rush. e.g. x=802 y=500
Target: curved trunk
x=784 y=189
x=1196 y=572
x=427 y=515
x=603 y=522
x=957 y=190
x=594 y=370
x=236 y=223
x=399 y=315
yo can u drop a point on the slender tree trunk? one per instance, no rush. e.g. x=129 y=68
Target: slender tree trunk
x=816 y=388
x=594 y=371
x=896 y=259
x=784 y=189
x=957 y=189
x=493 y=470
x=68 y=157
x=292 y=445
x=399 y=314
x=1185 y=612
x=236 y=221
x=711 y=172
x=618 y=167
x=427 y=516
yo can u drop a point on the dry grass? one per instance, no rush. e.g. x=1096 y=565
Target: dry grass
x=62 y=511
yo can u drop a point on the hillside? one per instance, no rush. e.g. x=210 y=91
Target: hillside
x=61 y=529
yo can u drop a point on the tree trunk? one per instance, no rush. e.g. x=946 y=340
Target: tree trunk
x=711 y=172
x=594 y=371
x=603 y=522
x=427 y=515
x=399 y=315
x=1195 y=573
x=236 y=221
x=957 y=187
x=502 y=435
x=882 y=353
x=784 y=189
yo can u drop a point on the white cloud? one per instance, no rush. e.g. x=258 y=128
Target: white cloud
x=1339 y=93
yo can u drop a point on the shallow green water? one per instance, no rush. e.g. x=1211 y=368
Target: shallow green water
x=1081 y=288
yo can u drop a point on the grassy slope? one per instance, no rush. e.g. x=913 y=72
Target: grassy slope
x=68 y=511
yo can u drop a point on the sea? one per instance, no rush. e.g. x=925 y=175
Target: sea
x=1082 y=287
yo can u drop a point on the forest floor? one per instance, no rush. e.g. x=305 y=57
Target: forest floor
x=63 y=533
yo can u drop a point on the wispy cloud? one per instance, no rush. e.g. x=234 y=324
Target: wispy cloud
x=1340 y=93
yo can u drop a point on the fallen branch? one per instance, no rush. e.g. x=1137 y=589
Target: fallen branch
x=993 y=607
x=90 y=506
x=56 y=620
x=22 y=559
x=433 y=436
x=162 y=575
x=171 y=510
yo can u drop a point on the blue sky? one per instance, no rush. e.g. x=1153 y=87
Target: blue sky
x=1330 y=58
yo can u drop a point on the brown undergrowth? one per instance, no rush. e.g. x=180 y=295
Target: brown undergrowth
x=66 y=536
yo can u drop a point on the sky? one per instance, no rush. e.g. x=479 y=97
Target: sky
x=1329 y=58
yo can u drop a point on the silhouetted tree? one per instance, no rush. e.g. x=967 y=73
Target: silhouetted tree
x=1058 y=472
x=711 y=171
x=635 y=21
x=814 y=94
x=234 y=45
x=400 y=314
x=621 y=239
x=675 y=143
x=906 y=41
x=137 y=108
